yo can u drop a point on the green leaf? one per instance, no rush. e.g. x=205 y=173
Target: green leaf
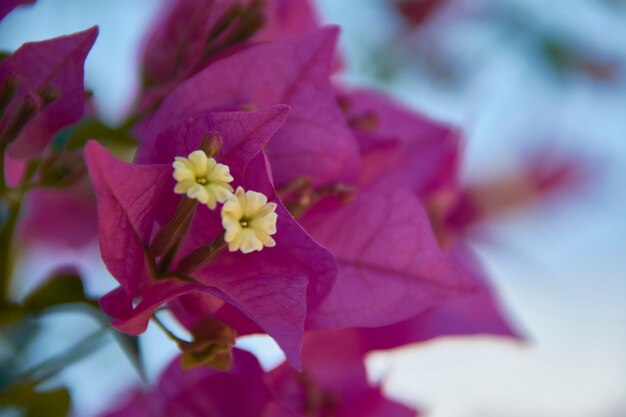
x=16 y=337
x=10 y=313
x=60 y=289
x=19 y=335
x=95 y=129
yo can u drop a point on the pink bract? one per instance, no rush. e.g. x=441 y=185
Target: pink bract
x=184 y=35
x=202 y=392
x=287 y=18
x=390 y=264
x=73 y=210
x=479 y=313
x=54 y=86
x=333 y=380
x=400 y=147
x=314 y=141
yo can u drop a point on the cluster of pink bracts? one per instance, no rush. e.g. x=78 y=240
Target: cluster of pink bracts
x=368 y=248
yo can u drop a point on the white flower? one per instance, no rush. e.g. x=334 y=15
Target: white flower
x=202 y=178
x=249 y=221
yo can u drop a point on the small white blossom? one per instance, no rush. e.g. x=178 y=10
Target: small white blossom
x=202 y=178
x=249 y=221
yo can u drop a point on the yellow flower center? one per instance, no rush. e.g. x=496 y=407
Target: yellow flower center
x=202 y=178
x=249 y=221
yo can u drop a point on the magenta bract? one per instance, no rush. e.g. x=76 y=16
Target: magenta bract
x=128 y=197
x=314 y=141
x=392 y=271
x=399 y=147
x=73 y=210
x=203 y=392
x=479 y=313
x=184 y=35
x=333 y=380
x=390 y=264
x=287 y=18
x=178 y=38
x=191 y=34
x=49 y=95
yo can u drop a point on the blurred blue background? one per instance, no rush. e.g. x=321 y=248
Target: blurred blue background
x=517 y=76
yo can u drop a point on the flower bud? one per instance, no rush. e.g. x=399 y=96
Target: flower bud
x=48 y=94
x=366 y=122
x=211 y=144
x=7 y=91
x=61 y=169
x=211 y=346
x=25 y=112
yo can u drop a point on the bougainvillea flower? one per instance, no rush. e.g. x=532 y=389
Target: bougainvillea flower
x=478 y=313
x=203 y=392
x=189 y=32
x=202 y=178
x=419 y=12
x=249 y=221
x=544 y=175
x=287 y=18
x=333 y=381
x=179 y=38
x=73 y=208
x=400 y=147
x=390 y=264
x=271 y=287
x=43 y=97
x=315 y=141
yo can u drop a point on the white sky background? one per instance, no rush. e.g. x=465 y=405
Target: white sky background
x=561 y=270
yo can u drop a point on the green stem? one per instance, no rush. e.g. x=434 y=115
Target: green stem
x=169 y=238
x=8 y=230
x=167 y=331
x=135 y=117
x=167 y=259
x=201 y=256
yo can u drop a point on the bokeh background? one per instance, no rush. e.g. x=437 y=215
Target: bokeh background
x=524 y=79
